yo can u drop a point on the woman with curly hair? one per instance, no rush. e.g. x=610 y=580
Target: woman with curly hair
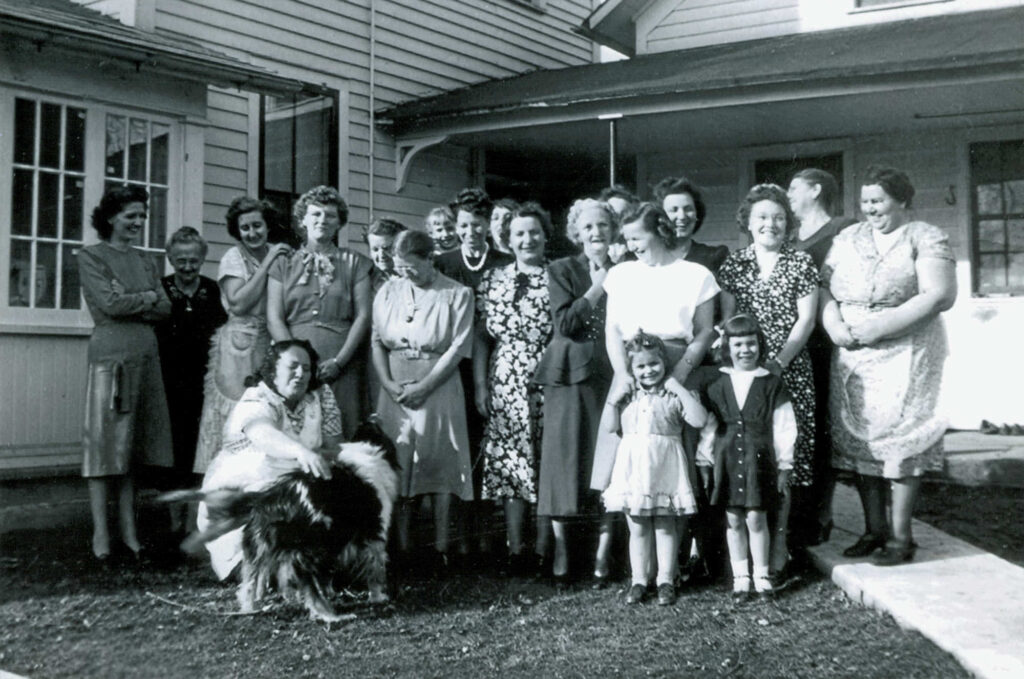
x=778 y=286
x=682 y=202
x=238 y=345
x=321 y=293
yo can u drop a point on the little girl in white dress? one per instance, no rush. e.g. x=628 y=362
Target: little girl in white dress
x=650 y=482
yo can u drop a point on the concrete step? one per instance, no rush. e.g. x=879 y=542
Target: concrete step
x=968 y=602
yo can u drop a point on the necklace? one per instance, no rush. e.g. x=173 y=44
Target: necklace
x=483 y=258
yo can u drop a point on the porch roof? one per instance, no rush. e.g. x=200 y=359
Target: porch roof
x=984 y=44
x=65 y=25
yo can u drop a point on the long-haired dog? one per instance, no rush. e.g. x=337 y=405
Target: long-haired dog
x=301 y=530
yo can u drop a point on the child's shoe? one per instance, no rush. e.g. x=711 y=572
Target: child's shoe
x=666 y=594
x=740 y=587
x=763 y=587
x=635 y=594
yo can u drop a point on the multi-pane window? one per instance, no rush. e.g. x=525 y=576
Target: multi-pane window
x=298 y=145
x=47 y=206
x=997 y=216
x=58 y=157
x=137 y=153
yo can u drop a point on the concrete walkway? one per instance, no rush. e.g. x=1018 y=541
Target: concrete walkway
x=966 y=601
x=975 y=459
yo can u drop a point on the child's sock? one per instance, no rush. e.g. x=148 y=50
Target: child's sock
x=741 y=568
x=761 y=582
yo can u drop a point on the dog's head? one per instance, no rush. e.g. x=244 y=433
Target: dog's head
x=369 y=431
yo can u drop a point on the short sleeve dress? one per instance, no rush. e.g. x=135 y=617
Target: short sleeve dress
x=416 y=326
x=320 y=306
x=126 y=418
x=883 y=397
x=773 y=302
x=241 y=464
x=650 y=476
x=515 y=311
x=236 y=351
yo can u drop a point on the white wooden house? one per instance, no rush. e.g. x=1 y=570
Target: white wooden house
x=731 y=92
x=201 y=101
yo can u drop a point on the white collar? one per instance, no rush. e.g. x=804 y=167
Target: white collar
x=756 y=372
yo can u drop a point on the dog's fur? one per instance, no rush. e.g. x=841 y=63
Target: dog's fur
x=301 y=530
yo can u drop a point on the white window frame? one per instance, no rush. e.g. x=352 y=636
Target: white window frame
x=844 y=146
x=74 y=321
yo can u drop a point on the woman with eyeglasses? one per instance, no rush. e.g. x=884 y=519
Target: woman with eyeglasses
x=513 y=329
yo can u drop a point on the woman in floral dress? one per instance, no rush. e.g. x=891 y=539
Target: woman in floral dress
x=778 y=286
x=513 y=328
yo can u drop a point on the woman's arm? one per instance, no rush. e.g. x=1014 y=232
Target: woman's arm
x=728 y=302
x=936 y=284
x=270 y=440
x=570 y=310
x=379 y=356
x=806 y=308
x=243 y=295
x=333 y=366
x=619 y=391
x=416 y=393
x=832 y=320
x=481 y=356
x=703 y=336
x=276 y=324
x=104 y=292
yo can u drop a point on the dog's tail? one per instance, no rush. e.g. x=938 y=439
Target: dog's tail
x=226 y=509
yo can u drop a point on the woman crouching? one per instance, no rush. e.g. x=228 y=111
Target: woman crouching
x=282 y=423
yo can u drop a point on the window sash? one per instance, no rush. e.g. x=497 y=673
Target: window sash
x=93 y=175
x=997 y=217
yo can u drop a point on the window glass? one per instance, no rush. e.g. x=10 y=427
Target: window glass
x=298 y=145
x=997 y=220
x=47 y=204
x=781 y=170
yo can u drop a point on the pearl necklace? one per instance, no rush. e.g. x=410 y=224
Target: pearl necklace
x=483 y=258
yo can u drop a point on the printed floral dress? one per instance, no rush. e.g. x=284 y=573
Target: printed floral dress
x=773 y=302
x=514 y=310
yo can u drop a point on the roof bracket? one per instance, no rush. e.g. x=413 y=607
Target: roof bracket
x=405 y=151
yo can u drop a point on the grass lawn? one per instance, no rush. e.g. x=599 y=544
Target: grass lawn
x=62 y=618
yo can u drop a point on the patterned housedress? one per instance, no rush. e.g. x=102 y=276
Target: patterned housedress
x=240 y=464
x=773 y=302
x=883 y=398
x=515 y=312
x=236 y=352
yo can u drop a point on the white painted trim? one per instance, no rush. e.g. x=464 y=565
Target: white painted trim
x=649 y=18
x=406 y=151
x=252 y=161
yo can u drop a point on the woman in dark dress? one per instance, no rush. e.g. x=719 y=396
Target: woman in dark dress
x=575 y=372
x=184 y=342
x=684 y=205
x=814 y=198
x=126 y=421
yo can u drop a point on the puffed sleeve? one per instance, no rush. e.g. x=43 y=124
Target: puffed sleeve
x=693 y=413
x=330 y=414
x=931 y=242
x=97 y=287
x=806 y=278
x=381 y=301
x=708 y=287
x=784 y=434
x=570 y=310
x=833 y=256
x=462 y=316
x=729 y=271
x=613 y=288
x=706 y=447
x=231 y=266
x=252 y=408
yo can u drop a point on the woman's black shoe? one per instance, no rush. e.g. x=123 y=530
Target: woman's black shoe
x=820 y=536
x=864 y=546
x=895 y=554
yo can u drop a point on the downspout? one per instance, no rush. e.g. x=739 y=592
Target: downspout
x=373 y=67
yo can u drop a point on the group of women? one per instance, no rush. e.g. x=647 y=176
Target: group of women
x=488 y=362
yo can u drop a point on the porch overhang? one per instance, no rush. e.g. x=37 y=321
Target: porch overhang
x=67 y=27
x=971 y=53
x=613 y=24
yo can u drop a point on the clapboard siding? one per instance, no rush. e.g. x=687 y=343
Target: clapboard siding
x=423 y=47
x=47 y=373
x=694 y=23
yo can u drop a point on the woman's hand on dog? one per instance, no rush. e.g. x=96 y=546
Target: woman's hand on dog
x=315 y=464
